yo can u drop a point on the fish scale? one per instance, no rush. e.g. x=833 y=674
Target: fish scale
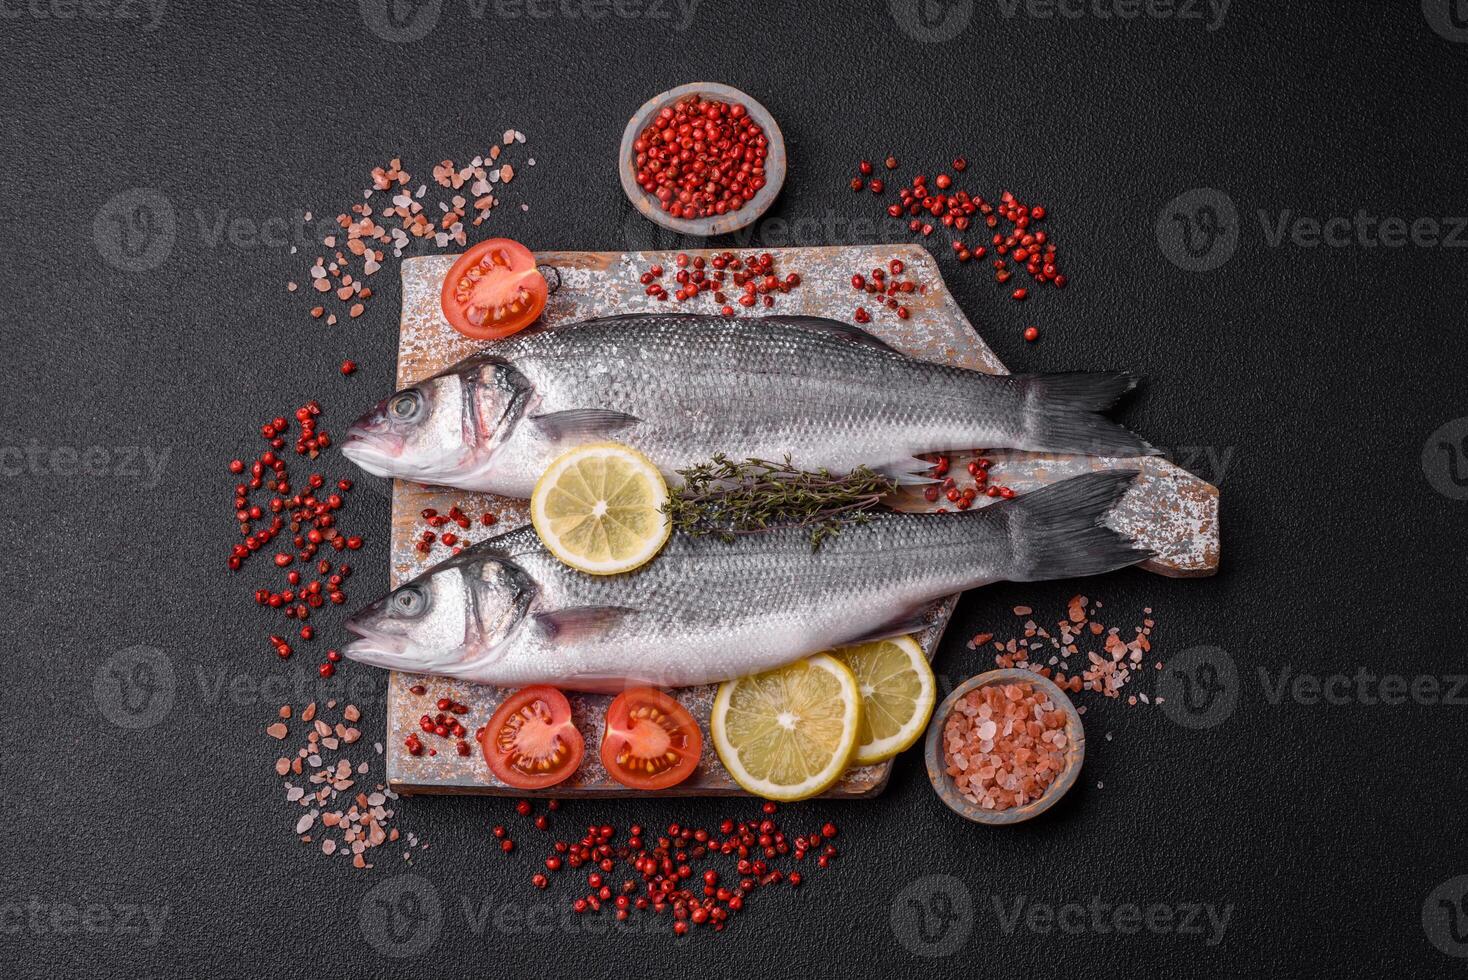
x=682 y=387
x=705 y=610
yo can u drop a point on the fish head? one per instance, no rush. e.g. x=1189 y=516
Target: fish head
x=441 y=428
x=463 y=611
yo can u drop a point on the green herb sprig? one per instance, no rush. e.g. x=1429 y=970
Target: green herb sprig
x=728 y=499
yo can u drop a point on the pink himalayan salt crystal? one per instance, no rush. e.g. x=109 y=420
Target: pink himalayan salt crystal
x=1004 y=744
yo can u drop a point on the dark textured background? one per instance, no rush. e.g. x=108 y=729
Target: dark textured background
x=1324 y=372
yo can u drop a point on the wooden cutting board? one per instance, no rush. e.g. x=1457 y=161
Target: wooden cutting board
x=1169 y=510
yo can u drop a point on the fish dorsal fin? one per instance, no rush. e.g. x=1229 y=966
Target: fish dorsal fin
x=834 y=328
x=581 y=622
x=583 y=424
x=912 y=621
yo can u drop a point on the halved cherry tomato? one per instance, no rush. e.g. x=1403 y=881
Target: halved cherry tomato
x=493 y=290
x=651 y=742
x=530 y=741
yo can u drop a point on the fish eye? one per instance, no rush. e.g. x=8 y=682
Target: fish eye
x=406 y=405
x=410 y=601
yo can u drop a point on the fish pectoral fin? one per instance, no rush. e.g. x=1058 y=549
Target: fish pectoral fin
x=909 y=471
x=912 y=621
x=580 y=622
x=834 y=328
x=583 y=424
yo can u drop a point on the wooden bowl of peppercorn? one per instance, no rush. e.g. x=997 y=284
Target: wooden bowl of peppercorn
x=706 y=221
x=948 y=792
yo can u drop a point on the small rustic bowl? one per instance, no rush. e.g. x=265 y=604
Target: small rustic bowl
x=717 y=224
x=1075 y=750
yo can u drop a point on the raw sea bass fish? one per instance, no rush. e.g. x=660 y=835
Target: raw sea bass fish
x=507 y=612
x=682 y=387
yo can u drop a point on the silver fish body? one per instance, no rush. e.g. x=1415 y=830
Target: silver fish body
x=507 y=612
x=682 y=387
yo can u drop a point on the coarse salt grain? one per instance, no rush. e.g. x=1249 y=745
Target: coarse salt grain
x=365 y=822
x=1106 y=671
x=1003 y=745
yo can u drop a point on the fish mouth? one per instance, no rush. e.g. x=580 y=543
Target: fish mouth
x=371 y=452
x=378 y=649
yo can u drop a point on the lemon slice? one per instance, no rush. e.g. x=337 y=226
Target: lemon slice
x=598 y=508
x=788 y=733
x=897 y=695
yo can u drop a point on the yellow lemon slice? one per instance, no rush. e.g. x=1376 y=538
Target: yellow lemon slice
x=788 y=733
x=598 y=508
x=897 y=695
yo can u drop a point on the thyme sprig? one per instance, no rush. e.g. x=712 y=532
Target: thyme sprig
x=728 y=499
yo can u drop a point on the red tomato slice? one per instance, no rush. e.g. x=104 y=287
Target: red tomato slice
x=530 y=741
x=493 y=290
x=651 y=742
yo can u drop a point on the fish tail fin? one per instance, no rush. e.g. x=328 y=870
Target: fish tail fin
x=1058 y=532
x=1062 y=414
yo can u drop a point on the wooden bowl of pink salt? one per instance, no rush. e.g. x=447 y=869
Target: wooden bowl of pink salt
x=1004 y=746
